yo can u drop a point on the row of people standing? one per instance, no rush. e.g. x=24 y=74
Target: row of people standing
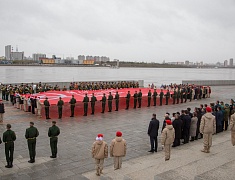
x=189 y=126
x=31 y=135
x=9 y=89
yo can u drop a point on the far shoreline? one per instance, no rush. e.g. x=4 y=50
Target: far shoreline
x=125 y=66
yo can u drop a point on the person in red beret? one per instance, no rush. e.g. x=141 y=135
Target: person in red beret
x=99 y=152
x=207 y=128
x=118 y=150
x=168 y=137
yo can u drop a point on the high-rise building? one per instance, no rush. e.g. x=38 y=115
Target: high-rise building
x=97 y=58
x=225 y=63
x=89 y=58
x=17 y=56
x=81 y=57
x=37 y=56
x=104 y=59
x=187 y=63
x=231 y=62
x=8 y=52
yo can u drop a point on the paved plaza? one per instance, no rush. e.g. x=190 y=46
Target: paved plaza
x=77 y=135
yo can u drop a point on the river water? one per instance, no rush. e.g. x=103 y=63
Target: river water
x=158 y=76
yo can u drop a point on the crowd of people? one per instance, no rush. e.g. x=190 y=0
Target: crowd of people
x=186 y=126
x=21 y=97
x=177 y=129
x=10 y=89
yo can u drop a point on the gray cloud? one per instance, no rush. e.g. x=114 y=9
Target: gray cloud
x=141 y=30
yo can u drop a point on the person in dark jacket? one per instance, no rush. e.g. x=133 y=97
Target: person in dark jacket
x=153 y=133
x=199 y=116
x=186 y=127
x=177 y=124
x=2 y=111
x=219 y=118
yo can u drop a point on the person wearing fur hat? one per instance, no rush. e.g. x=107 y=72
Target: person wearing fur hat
x=99 y=152
x=168 y=137
x=207 y=128
x=118 y=150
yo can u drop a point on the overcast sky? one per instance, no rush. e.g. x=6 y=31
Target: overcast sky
x=128 y=30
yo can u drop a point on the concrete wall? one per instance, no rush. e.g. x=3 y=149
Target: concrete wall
x=210 y=82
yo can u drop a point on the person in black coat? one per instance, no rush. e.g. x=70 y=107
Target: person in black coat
x=199 y=116
x=2 y=111
x=153 y=133
x=177 y=124
x=186 y=126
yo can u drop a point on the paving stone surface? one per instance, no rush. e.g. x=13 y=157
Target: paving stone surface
x=77 y=135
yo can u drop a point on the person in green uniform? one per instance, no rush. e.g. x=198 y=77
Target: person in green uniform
x=31 y=134
x=154 y=97
x=178 y=96
x=85 y=104
x=139 y=98
x=149 y=97
x=135 y=99
x=47 y=108
x=174 y=96
x=161 y=97
x=8 y=138
x=110 y=101
x=167 y=96
x=103 y=100
x=128 y=96
x=53 y=133
x=93 y=100
x=116 y=101
x=60 y=104
x=72 y=103
x=3 y=89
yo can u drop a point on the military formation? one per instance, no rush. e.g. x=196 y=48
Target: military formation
x=10 y=89
x=21 y=98
x=31 y=135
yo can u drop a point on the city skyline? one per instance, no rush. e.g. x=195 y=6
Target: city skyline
x=150 y=31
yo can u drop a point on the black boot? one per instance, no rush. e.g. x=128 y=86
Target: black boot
x=31 y=160
x=11 y=165
x=8 y=165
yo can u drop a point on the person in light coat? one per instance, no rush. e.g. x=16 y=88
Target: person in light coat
x=232 y=127
x=99 y=153
x=193 y=126
x=118 y=150
x=168 y=137
x=39 y=107
x=207 y=128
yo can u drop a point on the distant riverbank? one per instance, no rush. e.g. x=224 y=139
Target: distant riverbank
x=121 y=66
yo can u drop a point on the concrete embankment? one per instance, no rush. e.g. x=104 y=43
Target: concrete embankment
x=210 y=82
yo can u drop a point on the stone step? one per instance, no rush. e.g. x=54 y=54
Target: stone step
x=187 y=162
